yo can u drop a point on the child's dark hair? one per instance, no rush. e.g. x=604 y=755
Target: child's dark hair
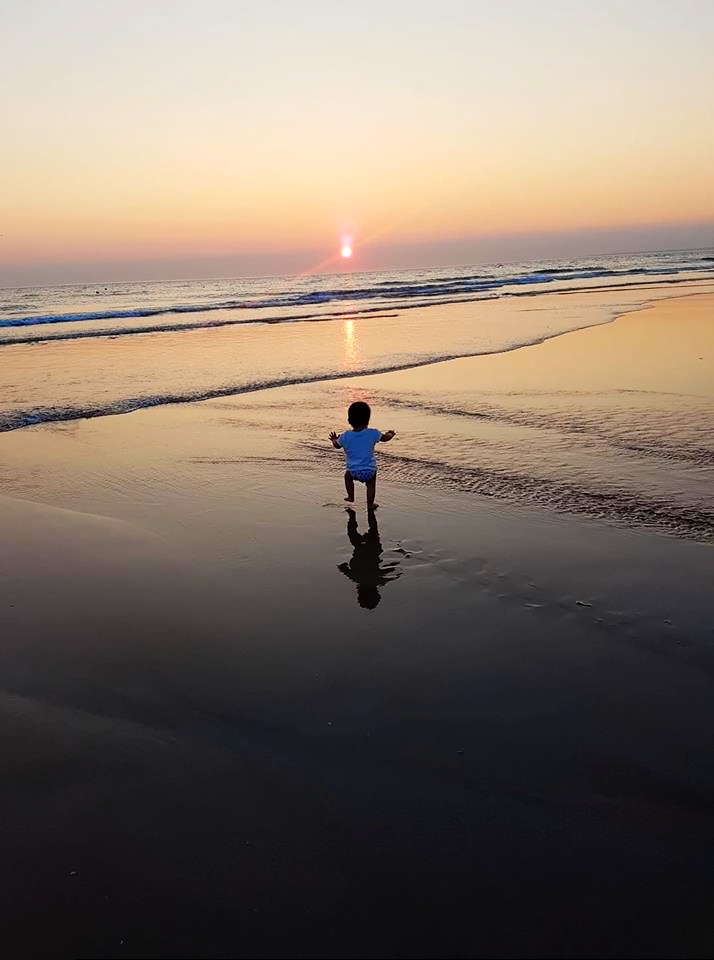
x=358 y=414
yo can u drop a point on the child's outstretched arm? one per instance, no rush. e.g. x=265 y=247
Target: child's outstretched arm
x=389 y=435
x=335 y=441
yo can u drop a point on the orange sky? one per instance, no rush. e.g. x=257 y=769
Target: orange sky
x=196 y=130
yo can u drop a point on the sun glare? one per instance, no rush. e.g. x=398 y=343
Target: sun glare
x=346 y=251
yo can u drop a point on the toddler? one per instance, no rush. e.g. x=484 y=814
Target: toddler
x=358 y=444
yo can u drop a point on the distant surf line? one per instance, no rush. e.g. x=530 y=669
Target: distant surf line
x=450 y=287
x=382 y=311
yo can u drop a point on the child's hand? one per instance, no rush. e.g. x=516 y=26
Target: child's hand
x=335 y=440
x=389 y=435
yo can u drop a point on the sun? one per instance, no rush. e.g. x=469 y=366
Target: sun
x=346 y=251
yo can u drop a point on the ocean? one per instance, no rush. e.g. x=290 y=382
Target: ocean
x=83 y=351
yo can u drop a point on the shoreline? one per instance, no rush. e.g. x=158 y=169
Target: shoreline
x=37 y=416
x=630 y=398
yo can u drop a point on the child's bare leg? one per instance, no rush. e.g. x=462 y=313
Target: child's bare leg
x=349 y=487
x=371 y=486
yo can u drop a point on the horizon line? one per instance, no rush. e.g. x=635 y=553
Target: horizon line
x=301 y=258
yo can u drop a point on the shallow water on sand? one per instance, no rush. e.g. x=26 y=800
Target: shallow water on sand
x=613 y=422
x=69 y=352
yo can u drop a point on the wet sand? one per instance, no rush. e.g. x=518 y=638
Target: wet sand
x=217 y=744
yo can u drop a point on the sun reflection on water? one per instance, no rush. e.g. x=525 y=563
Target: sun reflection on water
x=350 y=341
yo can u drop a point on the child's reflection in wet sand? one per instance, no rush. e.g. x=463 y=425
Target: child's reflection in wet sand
x=365 y=568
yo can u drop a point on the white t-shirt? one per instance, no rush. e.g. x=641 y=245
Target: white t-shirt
x=359 y=448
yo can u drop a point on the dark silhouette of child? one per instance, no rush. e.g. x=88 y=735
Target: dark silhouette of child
x=358 y=445
x=365 y=567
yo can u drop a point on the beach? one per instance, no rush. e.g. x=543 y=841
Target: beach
x=234 y=727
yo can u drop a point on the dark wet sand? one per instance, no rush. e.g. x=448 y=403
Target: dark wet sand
x=210 y=749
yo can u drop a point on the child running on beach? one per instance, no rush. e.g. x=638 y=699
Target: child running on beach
x=358 y=444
